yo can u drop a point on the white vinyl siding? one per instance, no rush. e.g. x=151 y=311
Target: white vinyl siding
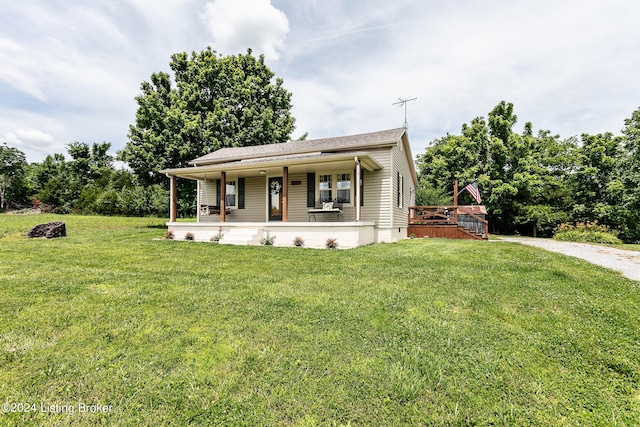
x=377 y=190
x=208 y=194
x=298 y=198
x=255 y=200
x=401 y=167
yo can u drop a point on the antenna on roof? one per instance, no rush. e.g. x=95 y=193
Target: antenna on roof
x=403 y=102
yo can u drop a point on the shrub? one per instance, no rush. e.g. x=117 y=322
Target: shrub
x=590 y=232
x=298 y=241
x=217 y=237
x=189 y=236
x=268 y=240
x=331 y=243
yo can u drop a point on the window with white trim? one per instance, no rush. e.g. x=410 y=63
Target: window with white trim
x=230 y=195
x=400 y=190
x=341 y=191
x=343 y=182
x=325 y=188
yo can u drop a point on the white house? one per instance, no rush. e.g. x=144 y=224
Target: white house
x=356 y=189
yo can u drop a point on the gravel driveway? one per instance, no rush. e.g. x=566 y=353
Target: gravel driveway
x=626 y=262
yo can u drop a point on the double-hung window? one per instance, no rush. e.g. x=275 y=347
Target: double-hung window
x=343 y=181
x=335 y=186
x=230 y=195
x=400 y=190
x=325 y=187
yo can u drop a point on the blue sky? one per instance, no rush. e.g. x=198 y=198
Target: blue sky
x=70 y=69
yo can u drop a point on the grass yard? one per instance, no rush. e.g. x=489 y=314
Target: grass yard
x=422 y=332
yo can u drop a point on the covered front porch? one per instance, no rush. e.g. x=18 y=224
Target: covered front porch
x=312 y=234
x=311 y=197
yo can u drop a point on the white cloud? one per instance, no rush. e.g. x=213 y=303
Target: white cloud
x=240 y=24
x=33 y=142
x=16 y=63
x=33 y=136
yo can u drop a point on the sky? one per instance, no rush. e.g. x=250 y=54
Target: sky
x=70 y=69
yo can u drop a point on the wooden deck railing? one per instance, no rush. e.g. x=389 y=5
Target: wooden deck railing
x=448 y=215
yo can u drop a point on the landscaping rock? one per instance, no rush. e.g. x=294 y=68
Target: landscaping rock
x=49 y=230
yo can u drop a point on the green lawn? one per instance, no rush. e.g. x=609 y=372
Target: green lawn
x=422 y=332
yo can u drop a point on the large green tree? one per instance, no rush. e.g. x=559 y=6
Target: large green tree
x=630 y=177
x=13 y=188
x=522 y=177
x=60 y=182
x=597 y=183
x=214 y=102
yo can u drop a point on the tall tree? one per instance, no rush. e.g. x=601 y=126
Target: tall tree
x=216 y=102
x=12 y=179
x=630 y=176
x=598 y=186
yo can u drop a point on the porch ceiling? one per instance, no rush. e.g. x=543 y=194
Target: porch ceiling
x=273 y=166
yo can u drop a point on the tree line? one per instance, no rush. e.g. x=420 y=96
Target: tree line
x=86 y=182
x=532 y=183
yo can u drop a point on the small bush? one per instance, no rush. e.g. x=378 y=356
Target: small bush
x=331 y=243
x=169 y=235
x=298 y=241
x=189 y=236
x=217 y=237
x=590 y=232
x=268 y=240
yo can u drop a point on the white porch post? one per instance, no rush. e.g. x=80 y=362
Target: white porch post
x=357 y=190
x=198 y=202
x=173 y=199
x=223 y=196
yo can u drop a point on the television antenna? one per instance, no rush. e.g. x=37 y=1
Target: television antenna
x=403 y=103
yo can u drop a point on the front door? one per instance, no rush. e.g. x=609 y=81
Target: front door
x=275 y=199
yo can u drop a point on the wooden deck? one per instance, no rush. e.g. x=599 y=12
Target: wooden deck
x=448 y=222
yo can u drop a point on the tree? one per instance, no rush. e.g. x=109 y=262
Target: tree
x=630 y=177
x=12 y=176
x=216 y=102
x=522 y=177
x=598 y=189
x=64 y=184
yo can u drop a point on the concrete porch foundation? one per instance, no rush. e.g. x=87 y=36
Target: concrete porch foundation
x=315 y=234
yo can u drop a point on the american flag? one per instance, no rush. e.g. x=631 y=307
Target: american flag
x=473 y=190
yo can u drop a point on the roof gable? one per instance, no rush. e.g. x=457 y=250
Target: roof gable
x=337 y=144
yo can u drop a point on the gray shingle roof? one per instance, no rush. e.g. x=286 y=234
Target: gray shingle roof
x=343 y=143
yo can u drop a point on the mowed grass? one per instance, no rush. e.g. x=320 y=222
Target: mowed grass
x=421 y=332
